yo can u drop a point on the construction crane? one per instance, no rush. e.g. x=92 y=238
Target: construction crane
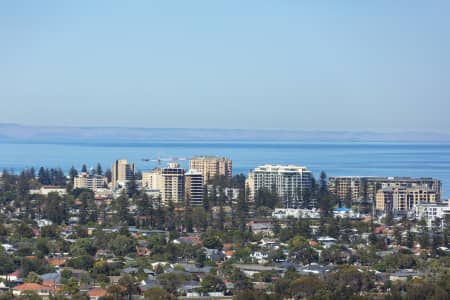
x=160 y=160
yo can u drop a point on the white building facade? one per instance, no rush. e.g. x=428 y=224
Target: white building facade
x=290 y=183
x=88 y=181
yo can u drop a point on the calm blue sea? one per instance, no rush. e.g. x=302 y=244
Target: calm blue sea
x=415 y=160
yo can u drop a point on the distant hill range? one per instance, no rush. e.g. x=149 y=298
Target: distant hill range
x=14 y=133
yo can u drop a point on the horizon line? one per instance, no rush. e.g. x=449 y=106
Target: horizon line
x=389 y=131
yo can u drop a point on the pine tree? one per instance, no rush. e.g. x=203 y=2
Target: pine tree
x=132 y=188
x=108 y=174
x=122 y=208
x=242 y=213
x=98 y=169
x=73 y=173
x=43 y=176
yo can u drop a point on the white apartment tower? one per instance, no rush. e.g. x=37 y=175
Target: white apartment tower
x=291 y=183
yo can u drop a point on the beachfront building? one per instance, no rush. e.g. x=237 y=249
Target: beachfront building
x=151 y=179
x=211 y=166
x=89 y=181
x=172 y=185
x=194 y=188
x=400 y=199
x=351 y=189
x=122 y=171
x=290 y=183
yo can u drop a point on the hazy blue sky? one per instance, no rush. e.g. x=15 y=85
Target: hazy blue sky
x=382 y=65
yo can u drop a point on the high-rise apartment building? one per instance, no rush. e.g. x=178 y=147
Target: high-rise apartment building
x=364 y=188
x=211 y=166
x=290 y=183
x=88 y=181
x=194 y=188
x=399 y=199
x=121 y=172
x=151 y=180
x=172 y=184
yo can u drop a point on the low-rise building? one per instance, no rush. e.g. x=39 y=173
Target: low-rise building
x=41 y=290
x=297 y=213
x=47 y=189
x=344 y=212
x=406 y=274
x=430 y=212
x=89 y=181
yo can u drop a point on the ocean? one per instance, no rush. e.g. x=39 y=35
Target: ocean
x=371 y=159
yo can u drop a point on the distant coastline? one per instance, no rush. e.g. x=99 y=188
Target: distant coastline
x=116 y=136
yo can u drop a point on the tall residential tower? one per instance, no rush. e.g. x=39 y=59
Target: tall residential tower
x=290 y=183
x=211 y=166
x=121 y=171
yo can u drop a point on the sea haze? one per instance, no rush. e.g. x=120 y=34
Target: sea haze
x=337 y=153
x=119 y=135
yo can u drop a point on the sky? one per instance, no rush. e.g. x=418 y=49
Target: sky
x=342 y=65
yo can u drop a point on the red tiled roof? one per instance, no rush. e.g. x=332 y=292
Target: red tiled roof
x=97 y=292
x=227 y=246
x=56 y=262
x=32 y=287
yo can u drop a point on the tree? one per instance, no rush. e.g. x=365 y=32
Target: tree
x=98 y=169
x=421 y=289
x=347 y=280
x=171 y=281
x=130 y=284
x=212 y=283
x=267 y=198
x=300 y=249
x=71 y=286
x=108 y=174
x=157 y=293
x=132 y=188
x=84 y=168
x=83 y=246
x=212 y=239
x=32 y=277
x=324 y=197
x=84 y=262
x=73 y=173
x=121 y=206
x=6 y=263
x=242 y=210
x=42 y=246
x=55 y=209
x=410 y=237
x=22 y=186
x=43 y=176
x=24 y=231
x=306 y=286
x=199 y=218
x=241 y=282
x=122 y=245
